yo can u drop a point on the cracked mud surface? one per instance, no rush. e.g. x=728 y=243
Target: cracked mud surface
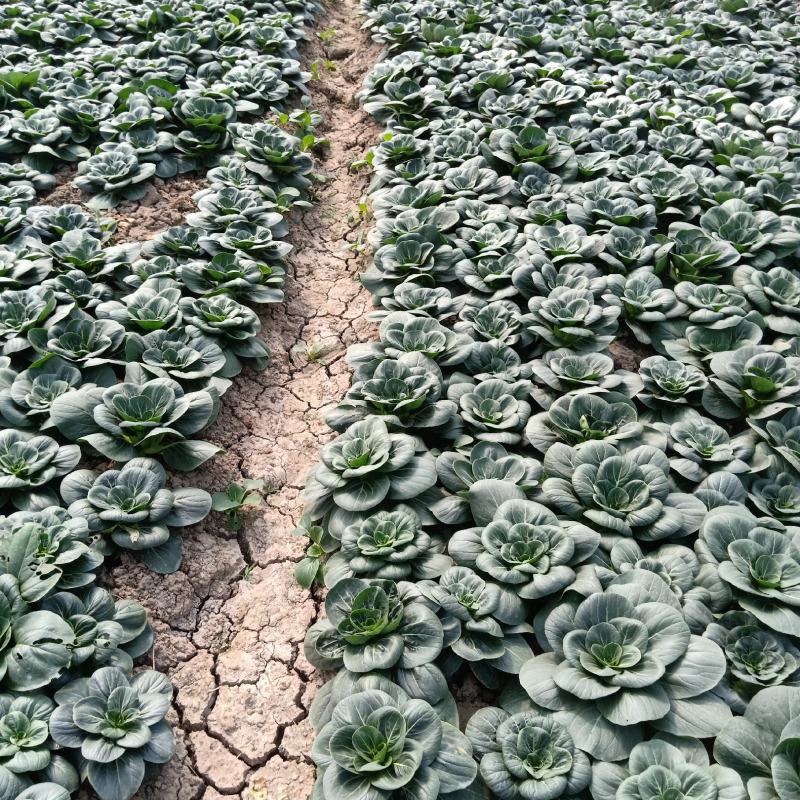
x=230 y=624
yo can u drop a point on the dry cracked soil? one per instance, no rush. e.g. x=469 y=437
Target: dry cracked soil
x=230 y=624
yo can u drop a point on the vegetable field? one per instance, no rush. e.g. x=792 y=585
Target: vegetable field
x=400 y=401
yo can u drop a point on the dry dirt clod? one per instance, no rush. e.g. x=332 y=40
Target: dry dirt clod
x=230 y=624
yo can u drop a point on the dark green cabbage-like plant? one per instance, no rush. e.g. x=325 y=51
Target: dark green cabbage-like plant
x=370 y=626
x=527 y=755
x=381 y=744
x=363 y=467
x=760 y=559
x=390 y=545
x=660 y=769
x=132 y=509
x=29 y=464
x=757 y=658
x=140 y=417
x=624 y=494
x=526 y=549
x=623 y=658
x=763 y=745
x=118 y=726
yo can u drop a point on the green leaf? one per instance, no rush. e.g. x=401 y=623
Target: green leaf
x=118 y=780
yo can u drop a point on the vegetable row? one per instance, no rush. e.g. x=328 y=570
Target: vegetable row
x=128 y=91
x=569 y=463
x=114 y=356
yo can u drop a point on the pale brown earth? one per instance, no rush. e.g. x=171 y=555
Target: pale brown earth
x=230 y=624
x=166 y=203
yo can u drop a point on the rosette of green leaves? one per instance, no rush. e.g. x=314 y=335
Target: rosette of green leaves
x=273 y=155
x=22 y=267
x=140 y=417
x=526 y=548
x=107 y=632
x=668 y=384
x=390 y=545
x=495 y=321
x=777 y=495
x=229 y=206
x=670 y=190
x=646 y=305
x=234 y=275
x=24 y=310
x=778 y=440
x=44 y=140
x=697 y=586
x=599 y=213
x=133 y=509
x=112 y=175
x=492 y=410
x=757 y=658
x=715 y=306
x=763 y=746
x=425 y=301
x=370 y=625
x=508 y=149
x=698 y=447
x=81 y=340
x=153 y=306
x=382 y=745
x=692 y=255
x=626 y=249
x=755 y=382
x=571 y=318
x=53 y=222
x=483 y=624
x=405 y=392
x=28 y=464
x=26 y=750
x=118 y=725
x=625 y=658
x=561 y=372
x=526 y=755
x=421 y=257
x=538 y=277
x=775 y=293
x=75 y=287
x=203 y=126
x=488 y=360
x=760 y=559
x=255 y=240
x=26 y=398
x=577 y=418
x=490 y=276
x=362 y=468
x=622 y=494
x=752 y=233
x=47 y=550
x=563 y=244
x=480 y=479
x=699 y=345
x=82 y=249
x=426 y=683
x=190 y=359
x=659 y=770
x=233 y=326
x=401 y=333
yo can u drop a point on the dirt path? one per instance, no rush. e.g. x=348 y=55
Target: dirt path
x=230 y=624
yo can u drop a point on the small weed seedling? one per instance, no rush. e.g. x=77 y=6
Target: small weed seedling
x=239 y=497
x=327 y=36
